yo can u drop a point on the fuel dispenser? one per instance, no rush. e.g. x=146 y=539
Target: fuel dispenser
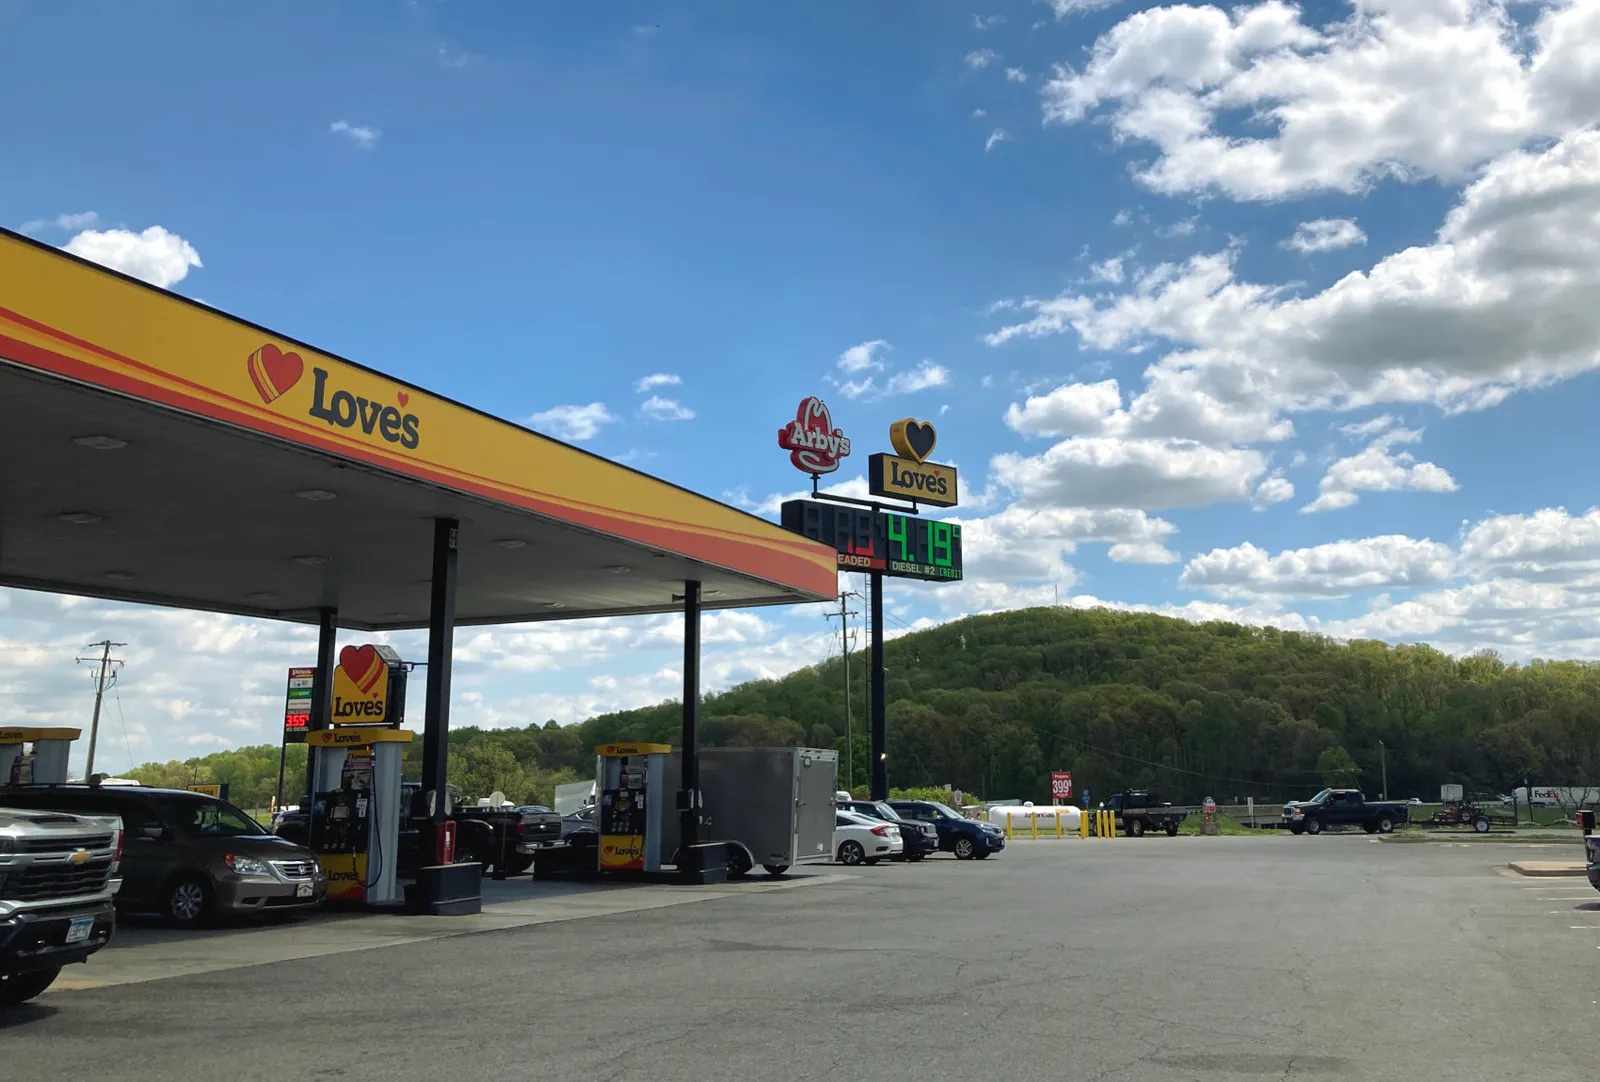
x=357 y=807
x=46 y=764
x=632 y=803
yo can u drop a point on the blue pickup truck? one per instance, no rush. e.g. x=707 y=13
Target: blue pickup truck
x=966 y=838
x=1333 y=808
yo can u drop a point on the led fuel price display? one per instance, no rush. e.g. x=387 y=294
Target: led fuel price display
x=903 y=546
x=920 y=548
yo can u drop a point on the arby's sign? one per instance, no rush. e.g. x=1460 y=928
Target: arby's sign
x=814 y=445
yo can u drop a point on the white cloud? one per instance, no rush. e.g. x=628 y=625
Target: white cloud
x=909 y=381
x=665 y=409
x=67 y=223
x=1063 y=8
x=657 y=379
x=1403 y=88
x=979 y=114
x=1370 y=427
x=1326 y=235
x=155 y=255
x=1501 y=300
x=1272 y=490
x=1547 y=546
x=1109 y=270
x=979 y=59
x=986 y=22
x=1335 y=569
x=1016 y=75
x=572 y=422
x=1109 y=471
x=1074 y=409
x=1122 y=217
x=859 y=358
x=1020 y=544
x=364 y=137
x=455 y=57
x=996 y=137
x=1378 y=468
x=852 y=487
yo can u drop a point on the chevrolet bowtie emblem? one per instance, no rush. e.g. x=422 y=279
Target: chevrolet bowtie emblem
x=80 y=856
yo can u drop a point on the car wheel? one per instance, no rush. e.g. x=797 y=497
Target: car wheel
x=851 y=853
x=871 y=860
x=775 y=869
x=188 y=901
x=1136 y=828
x=916 y=858
x=1313 y=825
x=982 y=854
x=1385 y=824
x=1172 y=830
x=18 y=988
x=965 y=848
x=1480 y=825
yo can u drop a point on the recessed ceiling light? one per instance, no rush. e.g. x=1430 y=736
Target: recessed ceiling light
x=100 y=443
x=120 y=576
x=263 y=595
x=710 y=593
x=317 y=495
x=617 y=569
x=555 y=604
x=510 y=543
x=79 y=518
x=311 y=561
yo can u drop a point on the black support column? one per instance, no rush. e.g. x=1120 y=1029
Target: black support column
x=321 y=707
x=879 y=720
x=441 y=641
x=689 y=795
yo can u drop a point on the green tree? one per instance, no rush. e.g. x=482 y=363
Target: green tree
x=1338 y=770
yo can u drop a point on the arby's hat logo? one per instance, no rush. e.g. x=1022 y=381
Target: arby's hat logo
x=814 y=445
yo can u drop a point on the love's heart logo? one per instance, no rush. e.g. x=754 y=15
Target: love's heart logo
x=363 y=666
x=273 y=371
x=402 y=398
x=913 y=439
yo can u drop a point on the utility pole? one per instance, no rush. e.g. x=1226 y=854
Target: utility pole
x=1383 y=757
x=844 y=615
x=106 y=661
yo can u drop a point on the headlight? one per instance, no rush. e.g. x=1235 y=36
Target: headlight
x=247 y=865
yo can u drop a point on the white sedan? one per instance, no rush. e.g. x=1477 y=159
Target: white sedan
x=860 y=840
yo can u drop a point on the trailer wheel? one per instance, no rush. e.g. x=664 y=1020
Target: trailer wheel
x=775 y=869
x=1136 y=827
x=1313 y=825
x=1480 y=825
x=1172 y=830
x=1385 y=824
x=739 y=863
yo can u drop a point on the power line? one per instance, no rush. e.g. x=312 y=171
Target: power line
x=844 y=615
x=127 y=745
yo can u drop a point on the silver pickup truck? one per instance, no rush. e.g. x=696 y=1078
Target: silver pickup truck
x=58 y=874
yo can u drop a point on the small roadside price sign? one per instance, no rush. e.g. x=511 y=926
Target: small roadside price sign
x=297 y=705
x=1060 y=784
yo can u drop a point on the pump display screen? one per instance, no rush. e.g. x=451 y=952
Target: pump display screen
x=903 y=546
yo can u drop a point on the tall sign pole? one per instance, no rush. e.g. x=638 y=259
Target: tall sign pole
x=877 y=539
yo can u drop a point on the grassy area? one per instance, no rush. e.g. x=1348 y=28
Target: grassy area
x=1229 y=826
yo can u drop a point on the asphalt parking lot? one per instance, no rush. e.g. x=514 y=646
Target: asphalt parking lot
x=1156 y=959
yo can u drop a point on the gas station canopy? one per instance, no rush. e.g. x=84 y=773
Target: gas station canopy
x=156 y=450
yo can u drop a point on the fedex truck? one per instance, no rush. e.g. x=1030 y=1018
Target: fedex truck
x=1555 y=796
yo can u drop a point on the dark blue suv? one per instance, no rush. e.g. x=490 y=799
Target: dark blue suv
x=966 y=838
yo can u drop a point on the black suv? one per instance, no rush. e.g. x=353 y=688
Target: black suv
x=188 y=856
x=919 y=839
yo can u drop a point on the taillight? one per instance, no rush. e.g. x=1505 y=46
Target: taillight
x=882 y=832
x=522 y=828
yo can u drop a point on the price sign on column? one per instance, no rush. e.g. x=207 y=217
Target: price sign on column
x=1060 y=784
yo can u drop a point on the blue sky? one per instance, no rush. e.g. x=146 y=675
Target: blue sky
x=1338 y=263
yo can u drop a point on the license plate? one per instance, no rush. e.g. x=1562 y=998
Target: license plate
x=79 y=929
x=302 y=890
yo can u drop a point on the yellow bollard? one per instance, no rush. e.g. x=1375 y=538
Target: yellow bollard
x=1083 y=823
x=1058 y=826
x=1033 y=822
x=1008 y=828
x=1111 y=824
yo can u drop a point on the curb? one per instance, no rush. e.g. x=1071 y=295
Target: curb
x=1548 y=868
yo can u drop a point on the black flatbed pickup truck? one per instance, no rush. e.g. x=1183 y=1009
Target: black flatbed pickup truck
x=1138 y=812
x=1333 y=808
x=498 y=838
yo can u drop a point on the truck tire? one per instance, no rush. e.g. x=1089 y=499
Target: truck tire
x=1480 y=825
x=964 y=848
x=775 y=869
x=1313 y=825
x=1385 y=824
x=1370 y=828
x=17 y=989
x=851 y=853
x=517 y=863
x=1297 y=828
x=1136 y=828
x=1172 y=830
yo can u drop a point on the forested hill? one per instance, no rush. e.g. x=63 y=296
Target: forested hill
x=992 y=704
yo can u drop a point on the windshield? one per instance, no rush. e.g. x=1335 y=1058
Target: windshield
x=945 y=810
x=210 y=819
x=1320 y=797
x=884 y=811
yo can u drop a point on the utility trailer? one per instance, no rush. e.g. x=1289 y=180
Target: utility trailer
x=770 y=806
x=1462 y=811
